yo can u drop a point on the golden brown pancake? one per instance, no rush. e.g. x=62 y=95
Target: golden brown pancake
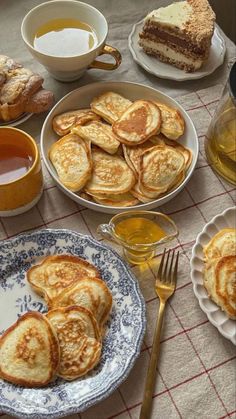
x=111 y=174
x=99 y=134
x=63 y=123
x=71 y=158
x=138 y=123
x=91 y=293
x=160 y=166
x=220 y=282
x=29 y=351
x=172 y=125
x=79 y=339
x=120 y=200
x=110 y=106
x=222 y=244
x=55 y=273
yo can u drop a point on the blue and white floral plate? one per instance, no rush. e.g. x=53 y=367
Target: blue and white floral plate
x=124 y=334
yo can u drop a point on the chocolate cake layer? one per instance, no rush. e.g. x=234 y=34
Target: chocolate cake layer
x=179 y=33
x=157 y=33
x=182 y=49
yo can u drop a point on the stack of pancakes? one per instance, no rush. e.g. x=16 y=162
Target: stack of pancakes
x=67 y=340
x=118 y=152
x=220 y=270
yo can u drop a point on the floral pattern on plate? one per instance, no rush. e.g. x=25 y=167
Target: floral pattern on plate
x=125 y=329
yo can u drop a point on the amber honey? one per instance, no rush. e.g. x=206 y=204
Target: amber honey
x=221 y=142
x=139 y=231
x=64 y=38
x=15 y=161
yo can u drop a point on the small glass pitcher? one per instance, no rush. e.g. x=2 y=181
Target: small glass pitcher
x=220 y=142
x=140 y=233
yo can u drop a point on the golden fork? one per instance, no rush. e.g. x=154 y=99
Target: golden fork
x=165 y=287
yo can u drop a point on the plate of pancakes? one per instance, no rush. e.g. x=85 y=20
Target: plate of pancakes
x=213 y=272
x=72 y=320
x=115 y=146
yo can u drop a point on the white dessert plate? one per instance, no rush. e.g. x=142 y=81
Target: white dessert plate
x=124 y=332
x=167 y=71
x=226 y=326
x=16 y=121
x=81 y=98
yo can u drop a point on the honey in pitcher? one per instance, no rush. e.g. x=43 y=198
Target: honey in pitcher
x=138 y=230
x=65 y=38
x=15 y=161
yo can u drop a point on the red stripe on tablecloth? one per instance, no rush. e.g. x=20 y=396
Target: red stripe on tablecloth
x=80 y=210
x=230 y=414
x=180 y=384
x=40 y=215
x=85 y=222
x=180 y=333
x=201 y=106
x=167 y=390
x=196 y=204
x=123 y=400
x=4 y=229
x=45 y=224
x=200 y=360
x=199 y=202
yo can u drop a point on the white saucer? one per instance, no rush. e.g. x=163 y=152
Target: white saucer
x=225 y=325
x=166 y=71
x=16 y=121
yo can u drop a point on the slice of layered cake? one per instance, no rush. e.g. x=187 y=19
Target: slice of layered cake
x=179 y=34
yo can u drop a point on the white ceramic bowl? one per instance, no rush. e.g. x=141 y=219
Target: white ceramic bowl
x=216 y=316
x=81 y=98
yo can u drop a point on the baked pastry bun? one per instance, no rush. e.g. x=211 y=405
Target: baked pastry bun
x=21 y=91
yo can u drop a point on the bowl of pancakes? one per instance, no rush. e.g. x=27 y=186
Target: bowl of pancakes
x=115 y=146
x=213 y=272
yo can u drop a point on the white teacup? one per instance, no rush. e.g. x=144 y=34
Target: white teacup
x=72 y=67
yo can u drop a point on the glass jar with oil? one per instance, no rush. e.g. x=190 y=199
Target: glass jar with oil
x=220 y=142
x=140 y=233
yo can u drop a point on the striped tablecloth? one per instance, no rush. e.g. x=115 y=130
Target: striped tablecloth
x=196 y=372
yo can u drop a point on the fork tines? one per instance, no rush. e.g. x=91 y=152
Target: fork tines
x=167 y=271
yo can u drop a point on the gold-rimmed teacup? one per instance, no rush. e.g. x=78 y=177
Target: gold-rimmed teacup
x=69 y=68
x=140 y=233
x=18 y=192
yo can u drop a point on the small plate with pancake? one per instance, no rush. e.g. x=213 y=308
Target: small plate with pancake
x=21 y=257
x=82 y=98
x=166 y=71
x=211 y=253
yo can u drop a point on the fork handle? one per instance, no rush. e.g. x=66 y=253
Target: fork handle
x=151 y=373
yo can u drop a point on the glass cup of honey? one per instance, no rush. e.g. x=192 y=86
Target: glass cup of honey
x=220 y=143
x=140 y=233
x=21 y=180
